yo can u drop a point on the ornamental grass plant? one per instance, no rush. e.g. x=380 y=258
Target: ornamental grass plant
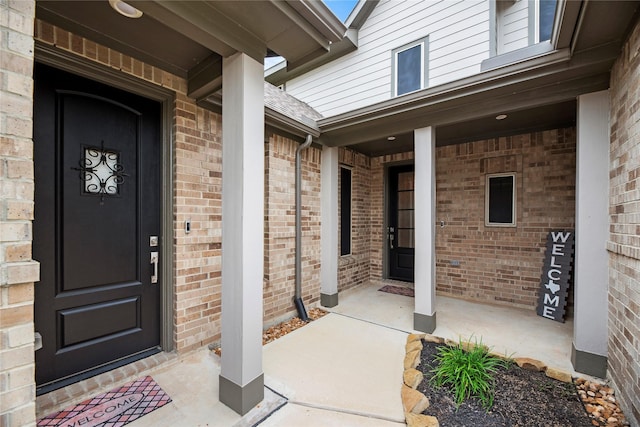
x=467 y=372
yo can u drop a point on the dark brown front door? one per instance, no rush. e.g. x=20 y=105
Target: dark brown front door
x=401 y=220
x=97 y=205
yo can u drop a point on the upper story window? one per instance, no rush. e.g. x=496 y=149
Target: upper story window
x=409 y=67
x=545 y=12
x=521 y=24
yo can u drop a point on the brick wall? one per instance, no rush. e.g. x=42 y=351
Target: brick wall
x=624 y=244
x=280 y=220
x=501 y=264
x=17 y=270
x=497 y=265
x=198 y=198
x=354 y=269
x=197 y=176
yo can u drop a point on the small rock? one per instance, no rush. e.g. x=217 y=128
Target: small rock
x=413 y=345
x=530 y=364
x=612 y=420
x=414 y=337
x=559 y=375
x=413 y=401
x=433 y=338
x=412 y=359
x=412 y=377
x=591 y=394
x=419 y=420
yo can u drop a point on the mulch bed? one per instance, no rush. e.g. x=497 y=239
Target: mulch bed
x=283 y=328
x=522 y=398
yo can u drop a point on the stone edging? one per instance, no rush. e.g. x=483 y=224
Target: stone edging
x=414 y=402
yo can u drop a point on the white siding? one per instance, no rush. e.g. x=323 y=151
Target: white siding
x=458 y=32
x=512 y=25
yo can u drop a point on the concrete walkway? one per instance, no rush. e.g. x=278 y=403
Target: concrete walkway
x=335 y=371
x=345 y=369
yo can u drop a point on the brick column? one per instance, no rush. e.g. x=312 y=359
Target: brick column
x=424 y=316
x=17 y=271
x=241 y=377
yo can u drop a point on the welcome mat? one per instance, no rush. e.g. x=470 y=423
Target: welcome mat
x=398 y=290
x=114 y=408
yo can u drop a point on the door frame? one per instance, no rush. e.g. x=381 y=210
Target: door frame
x=69 y=62
x=385 y=215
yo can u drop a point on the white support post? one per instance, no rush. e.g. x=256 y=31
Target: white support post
x=424 y=316
x=241 y=377
x=329 y=227
x=589 y=352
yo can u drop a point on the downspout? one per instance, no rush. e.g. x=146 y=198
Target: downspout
x=297 y=300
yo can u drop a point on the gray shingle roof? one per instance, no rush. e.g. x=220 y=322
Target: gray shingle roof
x=280 y=101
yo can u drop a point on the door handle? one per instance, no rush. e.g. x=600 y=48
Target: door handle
x=391 y=237
x=154 y=262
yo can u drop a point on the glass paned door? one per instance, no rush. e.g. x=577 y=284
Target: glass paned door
x=401 y=235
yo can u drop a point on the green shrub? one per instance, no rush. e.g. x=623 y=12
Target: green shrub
x=467 y=373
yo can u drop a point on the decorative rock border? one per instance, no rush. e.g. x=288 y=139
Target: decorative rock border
x=414 y=402
x=598 y=399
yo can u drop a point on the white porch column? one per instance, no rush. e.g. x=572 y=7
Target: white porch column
x=241 y=377
x=424 y=316
x=589 y=352
x=329 y=227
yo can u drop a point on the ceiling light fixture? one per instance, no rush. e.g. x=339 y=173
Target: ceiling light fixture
x=501 y=116
x=391 y=138
x=125 y=9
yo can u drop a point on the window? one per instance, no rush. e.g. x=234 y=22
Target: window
x=545 y=13
x=500 y=196
x=409 y=67
x=345 y=211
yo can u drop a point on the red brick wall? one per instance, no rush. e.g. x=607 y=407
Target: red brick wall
x=279 y=242
x=501 y=264
x=354 y=269
x=624 y=244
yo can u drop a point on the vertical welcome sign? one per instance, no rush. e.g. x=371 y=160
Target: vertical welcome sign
x=556 y=275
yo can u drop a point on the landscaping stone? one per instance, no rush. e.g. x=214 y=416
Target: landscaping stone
x=412 y=359
x=530 y=364
x=413 y=401
x=412 y=377
x=415 y=337
x=419 y=420
x=414 y=345
x=433 y=338
x=600 y=403
x=559 y=375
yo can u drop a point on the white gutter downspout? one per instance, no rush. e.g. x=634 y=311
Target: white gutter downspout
x=297 y=300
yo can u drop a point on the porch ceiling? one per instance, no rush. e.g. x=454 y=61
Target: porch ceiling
x=553 y=116
x=189 y=38
x=536 y=93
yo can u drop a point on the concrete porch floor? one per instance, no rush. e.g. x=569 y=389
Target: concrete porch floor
x=511 y=331
x=346 y=368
